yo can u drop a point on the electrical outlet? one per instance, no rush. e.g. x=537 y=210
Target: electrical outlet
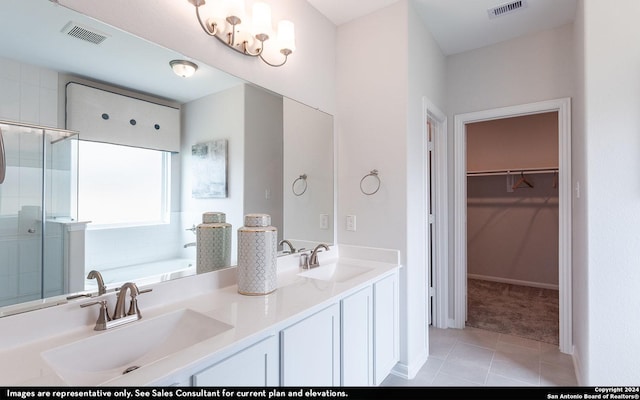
x=324 y=221
x=351 y=223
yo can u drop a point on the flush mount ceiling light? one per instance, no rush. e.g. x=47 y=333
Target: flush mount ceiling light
x=229 y=24
x=183 y=68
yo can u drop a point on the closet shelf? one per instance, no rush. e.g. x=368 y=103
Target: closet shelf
x=514 y=171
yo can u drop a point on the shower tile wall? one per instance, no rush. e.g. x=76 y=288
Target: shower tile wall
x=29 y=95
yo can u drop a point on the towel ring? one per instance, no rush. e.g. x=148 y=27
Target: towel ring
x=374 y=174
x=302 y=178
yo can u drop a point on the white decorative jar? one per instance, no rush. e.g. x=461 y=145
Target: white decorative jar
x=213 y=243
x=257 y=256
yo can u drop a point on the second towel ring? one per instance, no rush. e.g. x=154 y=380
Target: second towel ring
x=374 y=174
x=302 y=178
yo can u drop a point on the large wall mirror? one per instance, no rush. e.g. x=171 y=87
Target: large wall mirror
x=279 y=160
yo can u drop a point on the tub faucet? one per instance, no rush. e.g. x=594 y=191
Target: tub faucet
x=313 y=258
x=191 y=244
x=288 y=243
x=93 y=274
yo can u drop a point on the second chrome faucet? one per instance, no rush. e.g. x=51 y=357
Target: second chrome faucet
x=313 y=257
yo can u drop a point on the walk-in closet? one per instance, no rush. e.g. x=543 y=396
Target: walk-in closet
x=512 y=226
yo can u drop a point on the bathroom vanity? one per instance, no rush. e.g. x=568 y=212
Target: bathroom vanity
x=333 y=325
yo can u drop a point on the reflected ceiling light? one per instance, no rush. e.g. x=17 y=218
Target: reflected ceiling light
x=183 y=68
x=245 y=34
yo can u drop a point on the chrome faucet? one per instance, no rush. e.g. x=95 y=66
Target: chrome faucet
x=190 y=244
x=313 y=258
x=288 y=243
x=119 y=317
x=93 y=274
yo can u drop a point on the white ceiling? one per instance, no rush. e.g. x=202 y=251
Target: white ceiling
x=32 y=34
x=462 y=25
x=126 y=61
x=342 y=11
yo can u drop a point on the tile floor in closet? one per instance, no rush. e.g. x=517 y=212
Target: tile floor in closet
x=475 y=357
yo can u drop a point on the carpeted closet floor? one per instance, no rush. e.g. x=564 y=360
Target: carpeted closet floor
x=523 y=311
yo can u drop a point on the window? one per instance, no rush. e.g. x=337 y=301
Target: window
x=121 y=185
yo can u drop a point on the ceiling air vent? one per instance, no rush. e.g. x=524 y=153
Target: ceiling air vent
x=506 y=8
x=83 y=33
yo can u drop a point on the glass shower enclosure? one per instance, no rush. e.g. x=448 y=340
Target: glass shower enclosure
x=38 y=194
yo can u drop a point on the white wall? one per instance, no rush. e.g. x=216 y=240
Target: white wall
x=380 y=126
x=263 y=155
x=308 y=76
x=372 y=128
x=580 y=294
x=217 y=116
x=524 y=70
x=610 y=354
x=426 y=81
x=308 y=139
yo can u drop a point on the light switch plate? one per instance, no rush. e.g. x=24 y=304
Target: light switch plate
x=351 y=223
x=324 y=221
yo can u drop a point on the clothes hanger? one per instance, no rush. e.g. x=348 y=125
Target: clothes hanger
x=522 y=180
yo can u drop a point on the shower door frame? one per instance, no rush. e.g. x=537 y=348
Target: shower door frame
x=43 y=190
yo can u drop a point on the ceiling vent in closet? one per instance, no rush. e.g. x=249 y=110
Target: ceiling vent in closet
x=83 y=33
x=506 y=8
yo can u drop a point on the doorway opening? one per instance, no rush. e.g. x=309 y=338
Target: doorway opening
x=562 y=107
x=512 y=226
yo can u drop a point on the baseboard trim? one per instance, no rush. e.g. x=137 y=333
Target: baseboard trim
x=575 y=356
x=409 y=371
x=513 y=281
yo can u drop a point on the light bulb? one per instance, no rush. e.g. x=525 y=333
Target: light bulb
x=261 y=21
x=286 y=36
x=235 y=8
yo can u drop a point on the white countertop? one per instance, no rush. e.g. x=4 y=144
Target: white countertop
x=25 y=336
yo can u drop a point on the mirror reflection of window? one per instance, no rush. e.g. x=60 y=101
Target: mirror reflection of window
x=122 y=186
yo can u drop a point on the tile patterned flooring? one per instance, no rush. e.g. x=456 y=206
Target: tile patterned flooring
x=476 y=357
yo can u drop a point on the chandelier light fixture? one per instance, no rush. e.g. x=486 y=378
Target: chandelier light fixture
x=229 y=23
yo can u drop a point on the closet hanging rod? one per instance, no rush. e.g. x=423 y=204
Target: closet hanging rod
x=513 y=171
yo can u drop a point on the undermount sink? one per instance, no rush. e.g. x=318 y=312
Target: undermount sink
x=335 y=272
x=110 y=354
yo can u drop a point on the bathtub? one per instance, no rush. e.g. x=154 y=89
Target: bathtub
x=144 y=274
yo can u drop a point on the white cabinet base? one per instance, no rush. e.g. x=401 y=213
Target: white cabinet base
x=310 y=350
x=255 y=366
x=357 y=339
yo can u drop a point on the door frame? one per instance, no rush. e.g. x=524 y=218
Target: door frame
x=563 y=107
x=441 y=218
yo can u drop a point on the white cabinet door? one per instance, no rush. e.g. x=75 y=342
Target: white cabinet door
x=357 y=338
x=310 y=350
x=256 y=365
x=386 y=326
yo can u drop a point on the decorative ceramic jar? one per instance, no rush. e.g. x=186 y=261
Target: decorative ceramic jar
x=257 y=255
x=213 y=242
